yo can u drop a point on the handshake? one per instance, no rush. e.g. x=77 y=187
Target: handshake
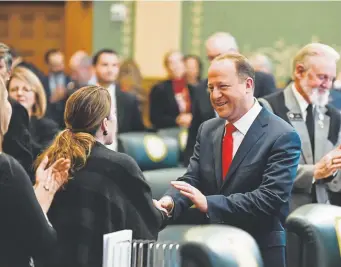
x=166 y=203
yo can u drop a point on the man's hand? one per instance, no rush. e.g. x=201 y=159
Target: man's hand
x=328 y=165
x=198 y=199
x=167 y=203
x=184 y=120
x=158 y=205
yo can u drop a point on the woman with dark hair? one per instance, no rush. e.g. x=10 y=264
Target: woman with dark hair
x=25 y=233
x=105 y=191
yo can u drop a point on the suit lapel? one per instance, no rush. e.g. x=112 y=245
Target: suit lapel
x=255 y=132
x=217 y=148
x=322 y=124
x=295 y=117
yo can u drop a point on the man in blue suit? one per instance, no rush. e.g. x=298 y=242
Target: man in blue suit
x=244 y=163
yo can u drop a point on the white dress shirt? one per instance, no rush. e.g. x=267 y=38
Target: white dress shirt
x=56 y=80
x=112 y=92
x=243 y=125
x=93 y=80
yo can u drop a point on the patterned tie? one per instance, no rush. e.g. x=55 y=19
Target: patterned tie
x=227 y=151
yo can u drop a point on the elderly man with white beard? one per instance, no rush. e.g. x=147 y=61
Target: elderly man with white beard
x=304 y=104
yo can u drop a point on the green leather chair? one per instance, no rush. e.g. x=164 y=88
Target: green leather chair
x=213 y=246
x=179 y=134
x=312 y=239
x=150 y=150
x=159 y=180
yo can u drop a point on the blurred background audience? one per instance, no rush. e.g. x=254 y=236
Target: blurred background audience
x=152 y=57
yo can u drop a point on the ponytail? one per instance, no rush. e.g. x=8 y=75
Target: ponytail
x=84 y=113
x=73 y=146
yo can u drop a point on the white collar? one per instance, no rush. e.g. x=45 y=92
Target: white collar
x=300 y=99
x=112 y=86
x=112 y=89
x=245 y=122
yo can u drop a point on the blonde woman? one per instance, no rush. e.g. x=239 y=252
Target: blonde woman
x=25 y=233
x=25 y=87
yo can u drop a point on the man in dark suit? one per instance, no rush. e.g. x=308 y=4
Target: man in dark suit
x=202 y=110
x=304 y=104
x=244 y=163
x=129 y=119
x=56 y=86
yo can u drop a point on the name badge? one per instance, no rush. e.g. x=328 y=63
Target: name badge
x=295 y=116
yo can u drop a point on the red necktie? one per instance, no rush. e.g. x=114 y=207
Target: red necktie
x=227 y=151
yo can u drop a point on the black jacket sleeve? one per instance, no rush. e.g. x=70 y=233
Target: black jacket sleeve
x=25 y=214
x=18 y=141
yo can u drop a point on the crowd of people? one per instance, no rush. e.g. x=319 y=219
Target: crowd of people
x=254 y=152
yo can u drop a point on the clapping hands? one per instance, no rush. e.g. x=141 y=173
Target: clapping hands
x=328 y=165
x=49 y=180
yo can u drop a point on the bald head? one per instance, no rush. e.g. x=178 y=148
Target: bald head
x=77 y=58
x=261 y=62
x=81 y=67
x=220 y=43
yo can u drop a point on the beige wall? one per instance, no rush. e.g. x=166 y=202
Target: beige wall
x=157 y=30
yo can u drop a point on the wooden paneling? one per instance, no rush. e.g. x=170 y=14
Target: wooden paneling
x=78 y=33
x=32 y=28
